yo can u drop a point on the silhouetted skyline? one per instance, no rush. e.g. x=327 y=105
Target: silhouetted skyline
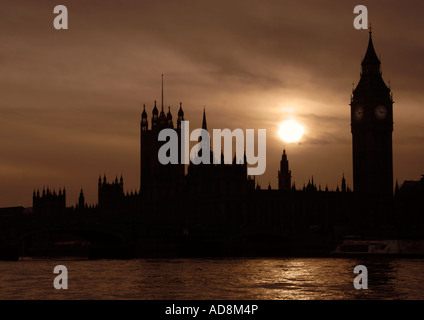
x=71 y=100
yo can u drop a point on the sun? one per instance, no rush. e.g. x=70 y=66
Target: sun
x=291 y=131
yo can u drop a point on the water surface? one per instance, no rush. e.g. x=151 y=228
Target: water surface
x=270 y=279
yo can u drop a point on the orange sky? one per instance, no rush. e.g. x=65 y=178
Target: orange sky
x=71 y=100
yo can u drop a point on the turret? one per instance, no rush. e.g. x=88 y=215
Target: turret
x=162 y=118
x=284 y=174
x=205 y=144
x=169 y=118
x=144 y=123
x=155 y=119
x=180 y=116
x=81 y=200
x=343 y=184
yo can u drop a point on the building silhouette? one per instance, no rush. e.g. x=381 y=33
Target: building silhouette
x=48 y=204
x=222 y=196
x=218 y=206
x=372 y=127
x=157 y=180
x=284 y=174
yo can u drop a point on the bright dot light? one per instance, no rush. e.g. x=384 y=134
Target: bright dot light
x=291 y=131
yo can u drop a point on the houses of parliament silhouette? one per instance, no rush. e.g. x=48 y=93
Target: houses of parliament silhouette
x=218 y=208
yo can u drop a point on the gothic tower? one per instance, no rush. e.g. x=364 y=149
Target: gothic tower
x=284 y=174
x=157 y=180
x=372 y=127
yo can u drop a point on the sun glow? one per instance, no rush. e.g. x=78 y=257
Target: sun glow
x=291 y=131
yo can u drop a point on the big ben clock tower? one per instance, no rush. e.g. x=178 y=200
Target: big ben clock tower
x=372 y=127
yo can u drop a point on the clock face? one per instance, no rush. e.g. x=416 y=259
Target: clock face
x=381 y=112
x=359 y=113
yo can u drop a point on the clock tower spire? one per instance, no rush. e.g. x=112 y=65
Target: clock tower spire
x=372 y=127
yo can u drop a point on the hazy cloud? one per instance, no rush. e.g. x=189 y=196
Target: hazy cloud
x=71 y=100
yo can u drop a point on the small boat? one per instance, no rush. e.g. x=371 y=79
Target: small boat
x=353 y=245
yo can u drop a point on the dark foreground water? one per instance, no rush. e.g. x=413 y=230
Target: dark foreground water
x=294 y=278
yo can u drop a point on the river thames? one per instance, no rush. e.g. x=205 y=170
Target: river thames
x=214 y=279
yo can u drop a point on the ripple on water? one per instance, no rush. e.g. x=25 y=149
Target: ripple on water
x=296 y=278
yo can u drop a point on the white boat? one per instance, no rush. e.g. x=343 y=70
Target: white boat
x=356 y=246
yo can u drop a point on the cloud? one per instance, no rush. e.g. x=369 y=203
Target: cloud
x=71 y=101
